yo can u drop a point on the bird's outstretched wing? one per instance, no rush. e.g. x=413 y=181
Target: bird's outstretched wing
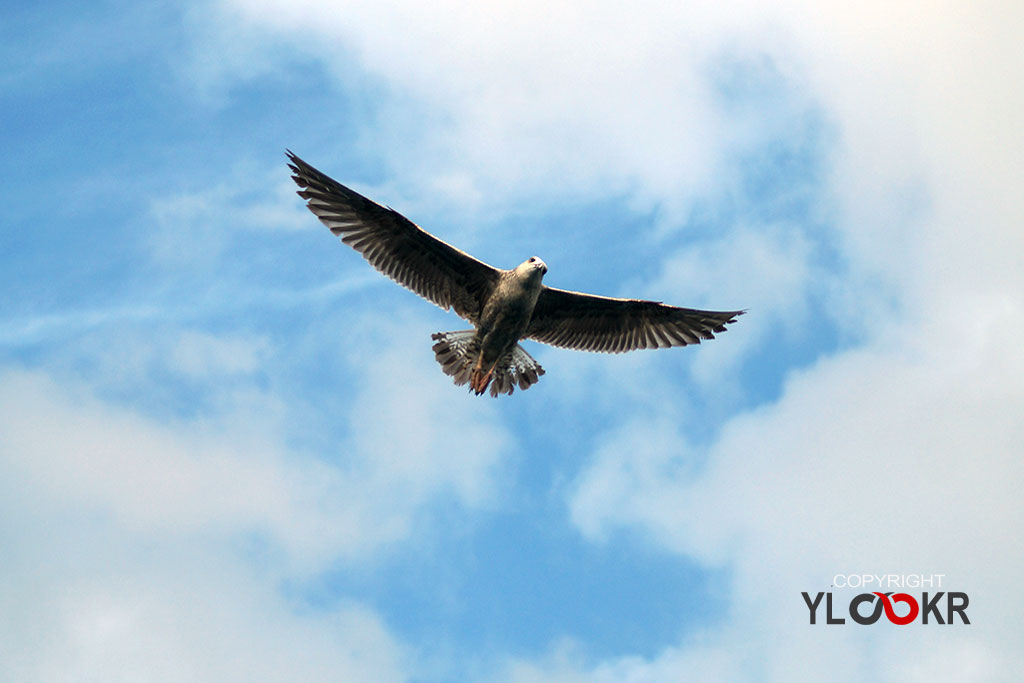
x=597 y=323
x=396 y=246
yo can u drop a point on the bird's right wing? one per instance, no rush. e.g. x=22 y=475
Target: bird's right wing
x=396 y=246
x=599 y=323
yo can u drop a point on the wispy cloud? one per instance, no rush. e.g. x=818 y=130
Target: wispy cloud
x=231 y=471
x=194 y=228
x=875 y=459
x=83 y=598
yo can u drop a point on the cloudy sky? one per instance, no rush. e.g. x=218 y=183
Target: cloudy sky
x=226 y=451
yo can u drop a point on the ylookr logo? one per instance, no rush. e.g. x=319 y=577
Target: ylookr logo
x=929 y=607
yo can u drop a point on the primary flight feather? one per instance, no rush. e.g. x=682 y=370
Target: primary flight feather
x=504 y=306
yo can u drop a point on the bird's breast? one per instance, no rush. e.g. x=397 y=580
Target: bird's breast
x=507 y=314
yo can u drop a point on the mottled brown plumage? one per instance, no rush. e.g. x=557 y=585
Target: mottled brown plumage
x=504 y=306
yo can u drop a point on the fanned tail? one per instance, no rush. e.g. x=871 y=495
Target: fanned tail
x=517 y=368
x=459 y=356
x=455 y=351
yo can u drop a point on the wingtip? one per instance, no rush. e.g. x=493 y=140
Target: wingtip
x=721 y=327
x=299 y=168
x=294 y=162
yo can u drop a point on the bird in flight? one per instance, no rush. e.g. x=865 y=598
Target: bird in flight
x=504 y=306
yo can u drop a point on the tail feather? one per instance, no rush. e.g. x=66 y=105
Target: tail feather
x=455 y=352
x=458 y=353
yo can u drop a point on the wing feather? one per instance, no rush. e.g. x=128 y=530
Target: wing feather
x=396 y=246
x=598 y=323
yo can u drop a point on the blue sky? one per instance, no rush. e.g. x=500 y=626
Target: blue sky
x=226 y=451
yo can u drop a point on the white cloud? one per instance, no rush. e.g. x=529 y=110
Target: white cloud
x=228 y=470
x=768 y=270
x=929 y=430
x=81 y=601
x=196 y=227
x=155 y=475
x=148 y=545
x=199 y=354
x=521 y=99
x=584 y=99
x=900 y=456
x=564 y=665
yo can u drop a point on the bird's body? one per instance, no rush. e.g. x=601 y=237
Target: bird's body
x=505 y=318
x=504 y=306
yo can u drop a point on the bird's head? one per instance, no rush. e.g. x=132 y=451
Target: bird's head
x=532 y=267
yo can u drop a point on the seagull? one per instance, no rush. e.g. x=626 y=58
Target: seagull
x=504 y=306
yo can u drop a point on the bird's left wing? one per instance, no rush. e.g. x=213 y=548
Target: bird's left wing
x=396 y=246
x=598 y=323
